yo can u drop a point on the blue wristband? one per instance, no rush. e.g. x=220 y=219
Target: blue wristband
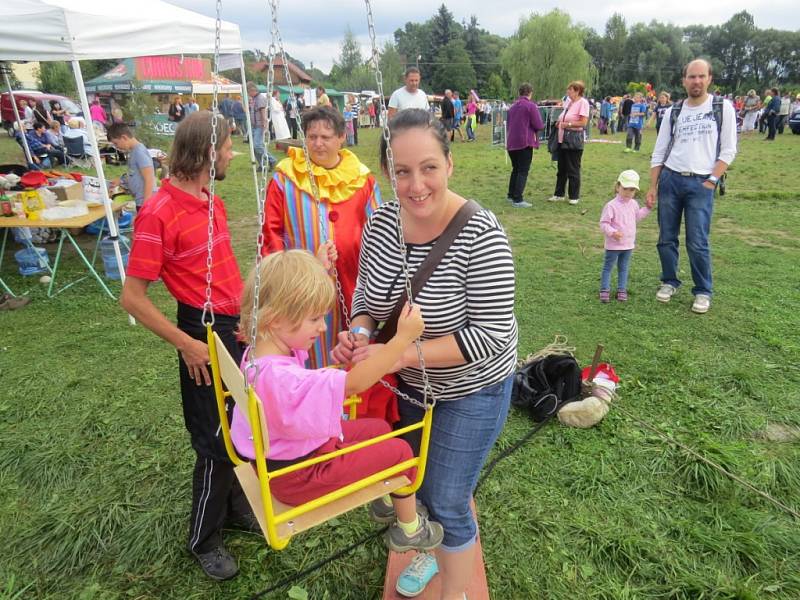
x=361 y=331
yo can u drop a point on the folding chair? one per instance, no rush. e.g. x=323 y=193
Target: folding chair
x=76 y=153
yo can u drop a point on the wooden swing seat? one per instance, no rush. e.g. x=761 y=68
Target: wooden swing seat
x=248 y=478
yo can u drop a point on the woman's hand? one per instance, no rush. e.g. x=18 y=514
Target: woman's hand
x=327 y=254
x=195 y=355
x=348 y=343
x=365 y=352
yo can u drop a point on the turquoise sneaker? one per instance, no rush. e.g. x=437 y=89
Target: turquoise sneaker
x=416 y=576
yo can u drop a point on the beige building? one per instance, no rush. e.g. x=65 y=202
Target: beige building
x=27 y=74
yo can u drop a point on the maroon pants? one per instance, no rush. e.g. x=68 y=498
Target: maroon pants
x=318 y=480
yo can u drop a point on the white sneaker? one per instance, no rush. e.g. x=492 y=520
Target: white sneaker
x=666 y=292
x=574 y=201
x=555 y=199
x=521 y=204
x=701 y=304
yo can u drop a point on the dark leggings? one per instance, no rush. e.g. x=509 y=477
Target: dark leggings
x=569 y=169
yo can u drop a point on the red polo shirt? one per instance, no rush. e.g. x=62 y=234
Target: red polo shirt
x=170 y=241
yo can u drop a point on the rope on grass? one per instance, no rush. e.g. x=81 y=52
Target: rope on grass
x=669 y=439
x=295 y=577
x=558 y=346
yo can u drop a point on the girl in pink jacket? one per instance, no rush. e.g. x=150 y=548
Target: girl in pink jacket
x=303 y=407
x=618 y=223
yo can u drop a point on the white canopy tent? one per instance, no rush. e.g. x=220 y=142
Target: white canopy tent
x=75 y=30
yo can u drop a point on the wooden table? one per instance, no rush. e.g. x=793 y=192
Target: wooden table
x=64 y=226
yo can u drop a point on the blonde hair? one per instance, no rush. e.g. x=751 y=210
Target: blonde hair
x=294 y=286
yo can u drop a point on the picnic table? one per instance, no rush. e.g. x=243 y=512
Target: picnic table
x=64 y=226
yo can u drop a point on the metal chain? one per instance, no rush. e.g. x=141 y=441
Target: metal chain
x=387 y=136
x=323 y=226
x=208 y=307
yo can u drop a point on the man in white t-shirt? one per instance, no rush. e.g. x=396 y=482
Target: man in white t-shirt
x=408 y=96
x=684 y=172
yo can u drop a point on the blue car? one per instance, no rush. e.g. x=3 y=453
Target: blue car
x=794 y=121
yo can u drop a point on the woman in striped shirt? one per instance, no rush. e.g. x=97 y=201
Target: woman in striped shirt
x=470 y=339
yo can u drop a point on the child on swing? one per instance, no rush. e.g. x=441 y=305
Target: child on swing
x=303 y=407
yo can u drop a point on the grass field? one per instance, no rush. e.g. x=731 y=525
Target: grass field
x=95 y=461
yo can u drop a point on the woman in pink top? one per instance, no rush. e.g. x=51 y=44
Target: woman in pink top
x=472 y=108
x=303 y=407
x=573 y=118
x=618 y=223
x=98 y=113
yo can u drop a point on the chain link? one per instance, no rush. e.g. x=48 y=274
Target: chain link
x=208 y=307
x=387 y=136
x=323 y=226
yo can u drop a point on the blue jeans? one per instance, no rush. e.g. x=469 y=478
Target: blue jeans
x=258 y=142
x=470 y=131
x=622 y=258
x=258 y=147
x=685 y=196
x=463 y=432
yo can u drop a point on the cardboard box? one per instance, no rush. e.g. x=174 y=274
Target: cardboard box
x=66 y=189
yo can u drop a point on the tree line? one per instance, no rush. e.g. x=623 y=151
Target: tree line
x=549 y=50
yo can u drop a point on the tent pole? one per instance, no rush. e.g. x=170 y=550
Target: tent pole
x=113 y=230
x=246 y=106
x=16 y=115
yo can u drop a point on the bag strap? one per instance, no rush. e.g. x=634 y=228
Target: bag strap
x=428 y=266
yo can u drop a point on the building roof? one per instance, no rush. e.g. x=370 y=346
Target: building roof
x=296 y=72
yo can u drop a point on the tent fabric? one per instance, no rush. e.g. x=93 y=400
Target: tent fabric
x=48 y=30
x=141 y=74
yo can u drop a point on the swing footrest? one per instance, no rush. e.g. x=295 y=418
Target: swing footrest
x=477 y=588
x=248 y=479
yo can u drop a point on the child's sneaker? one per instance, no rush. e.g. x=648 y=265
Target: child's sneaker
x=622 y=295
x=427 y=537
x=605 y=296
x=416 y=576
x=381 y=513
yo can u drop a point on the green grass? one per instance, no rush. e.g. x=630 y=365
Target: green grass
x=95 y=462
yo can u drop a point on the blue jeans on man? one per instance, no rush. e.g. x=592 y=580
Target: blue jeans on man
x=622 y=258
x=685 y=197
x=258 y=147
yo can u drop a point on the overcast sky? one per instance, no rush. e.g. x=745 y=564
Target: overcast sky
x=312 y=30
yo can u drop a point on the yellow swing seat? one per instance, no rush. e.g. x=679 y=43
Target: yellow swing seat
x=278 y=521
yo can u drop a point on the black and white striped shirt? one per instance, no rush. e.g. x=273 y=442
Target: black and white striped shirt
x=469 y=295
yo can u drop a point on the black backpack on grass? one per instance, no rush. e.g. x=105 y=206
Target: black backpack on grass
x=542 y=386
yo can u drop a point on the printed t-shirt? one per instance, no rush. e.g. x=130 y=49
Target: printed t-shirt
x=170 y=239
x=302 y=407
x=138 y=159
x=258 y=110
x=637 y=121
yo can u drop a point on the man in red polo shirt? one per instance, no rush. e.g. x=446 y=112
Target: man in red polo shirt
x=170 y=242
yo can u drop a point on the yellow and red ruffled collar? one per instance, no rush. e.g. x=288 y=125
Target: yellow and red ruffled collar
x=335 y=185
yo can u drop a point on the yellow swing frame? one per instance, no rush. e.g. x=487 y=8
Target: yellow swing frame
x=278 y=521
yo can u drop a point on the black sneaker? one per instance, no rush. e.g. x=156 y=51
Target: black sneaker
x=217 y=563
